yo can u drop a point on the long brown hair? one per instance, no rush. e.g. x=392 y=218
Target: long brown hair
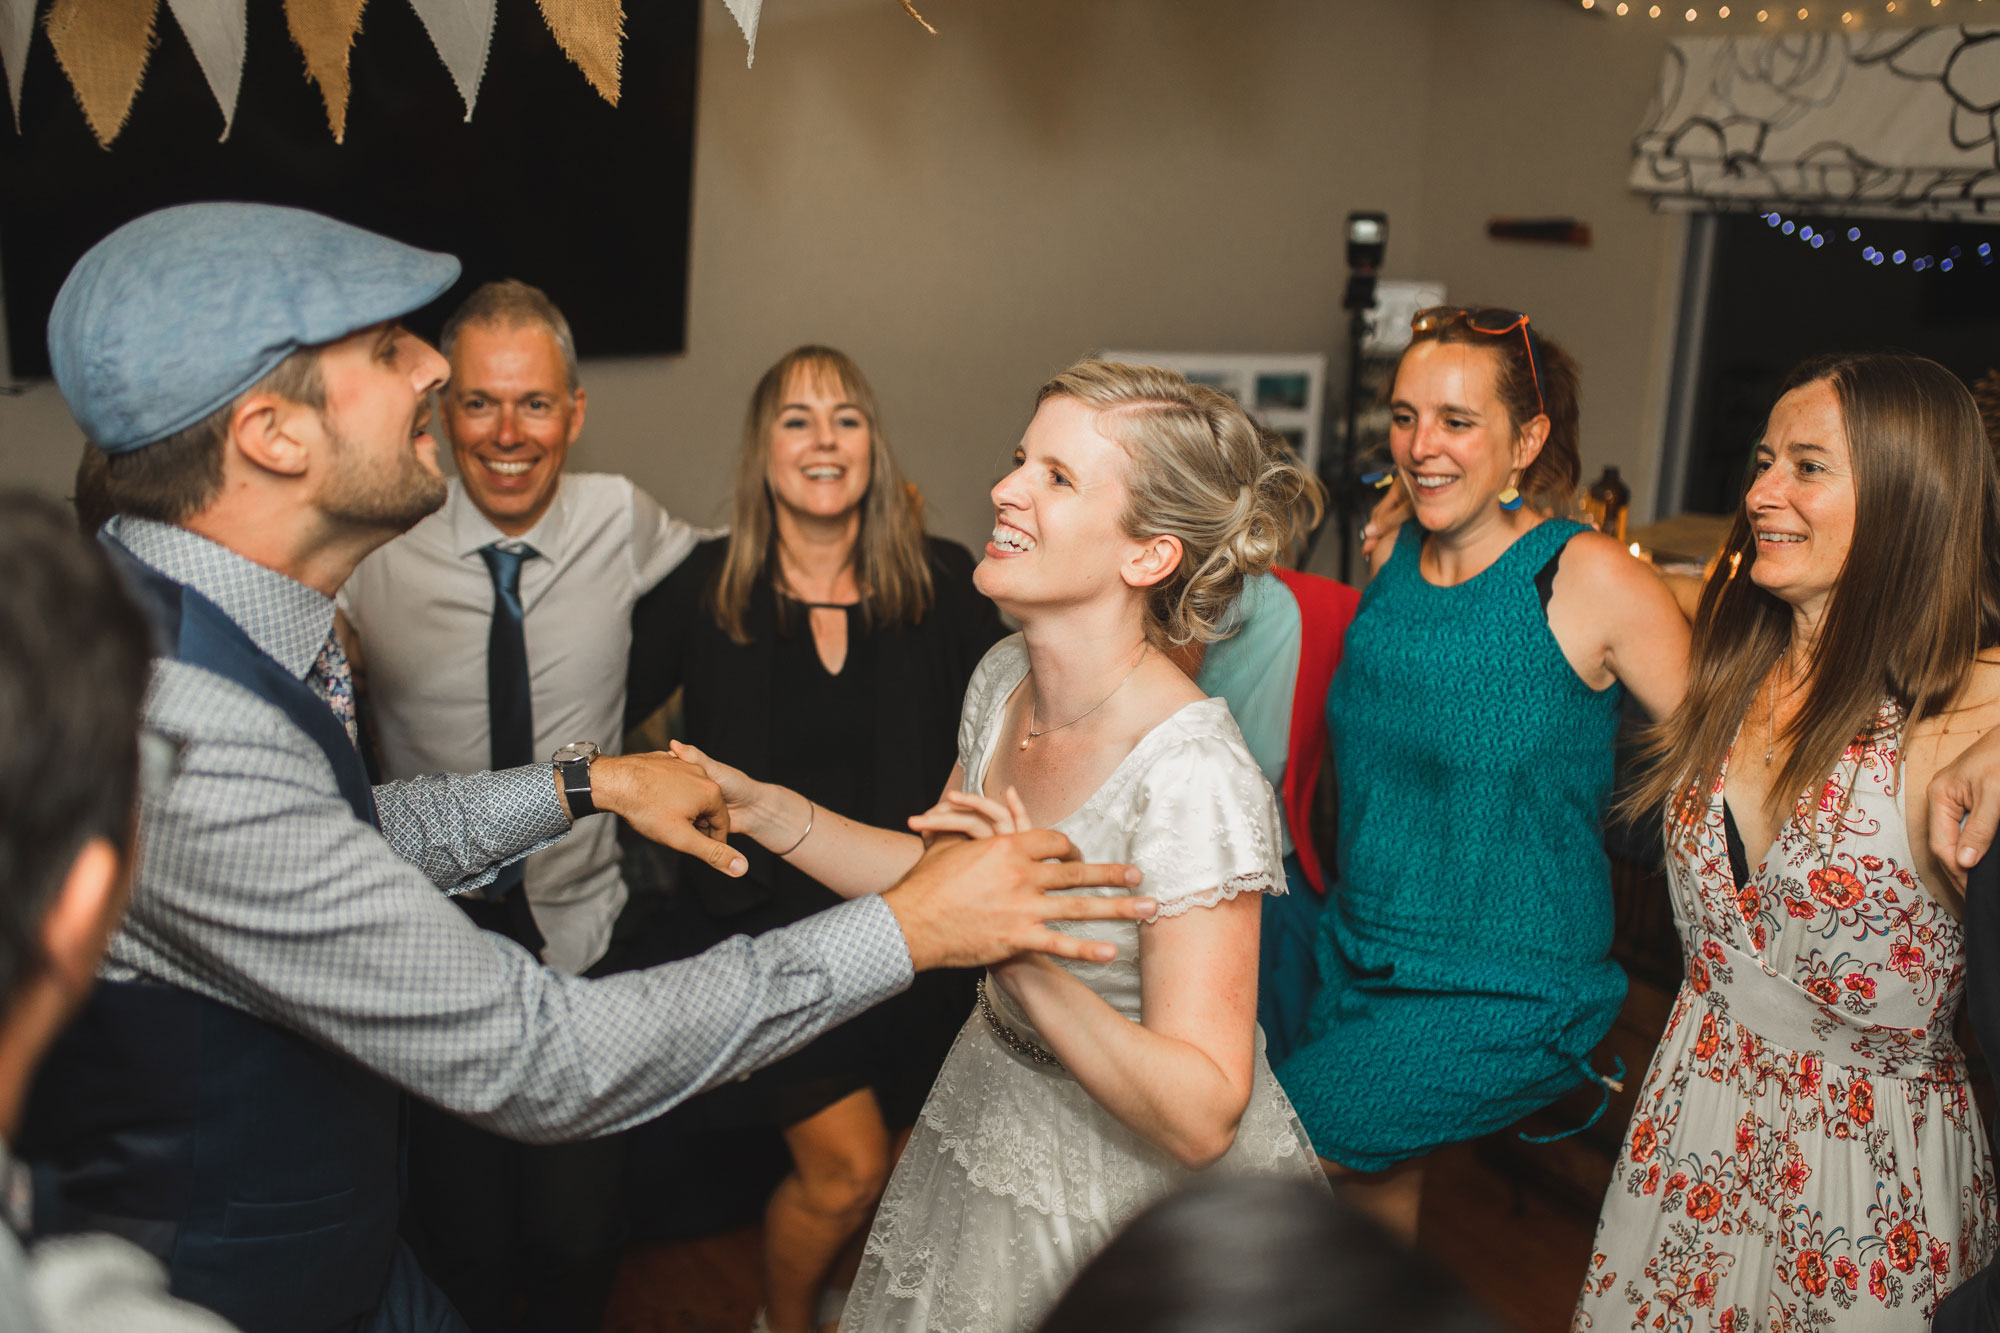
x=1917 y=599
x=1550 y=481
x=891 y=560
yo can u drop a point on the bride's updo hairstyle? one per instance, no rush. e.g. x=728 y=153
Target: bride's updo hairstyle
x=1200 y=470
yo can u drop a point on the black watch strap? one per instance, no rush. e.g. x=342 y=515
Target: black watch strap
x=575 y=776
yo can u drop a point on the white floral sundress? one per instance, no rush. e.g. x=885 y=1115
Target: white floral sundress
x=1804 y=1154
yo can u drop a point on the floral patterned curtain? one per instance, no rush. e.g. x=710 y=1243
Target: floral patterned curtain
x=1895 y=121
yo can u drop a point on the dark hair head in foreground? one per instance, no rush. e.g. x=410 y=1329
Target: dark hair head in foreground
x=73 y=662
x=1257 y=1255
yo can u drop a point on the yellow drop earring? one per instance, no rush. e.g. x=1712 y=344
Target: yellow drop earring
x=1510 y=499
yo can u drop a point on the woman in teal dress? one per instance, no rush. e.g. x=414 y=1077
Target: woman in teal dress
x=1465 y=951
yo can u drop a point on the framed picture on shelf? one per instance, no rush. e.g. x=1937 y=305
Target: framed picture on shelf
x=1285 y=391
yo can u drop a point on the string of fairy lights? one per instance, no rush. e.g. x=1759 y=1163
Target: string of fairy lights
x=1852 y=16
x=1954 y=257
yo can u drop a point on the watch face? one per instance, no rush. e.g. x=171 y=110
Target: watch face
x=574 y=751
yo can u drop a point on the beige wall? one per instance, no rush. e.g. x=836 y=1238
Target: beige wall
x=966 y=213
x=1533 y=112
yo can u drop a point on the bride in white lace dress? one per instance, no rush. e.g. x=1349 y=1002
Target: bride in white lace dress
x=1080 y=1091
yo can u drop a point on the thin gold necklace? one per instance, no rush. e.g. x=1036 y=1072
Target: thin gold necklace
x=1036 y=735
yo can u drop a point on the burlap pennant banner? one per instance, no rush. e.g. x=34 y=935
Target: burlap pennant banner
x=746 y=13
x=325 y=31
x=103 y=46
x=462 y=31
x=17 y=29
x=215 y=29
x=591 y=33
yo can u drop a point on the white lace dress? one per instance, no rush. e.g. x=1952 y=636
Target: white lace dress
x=1015 y=1176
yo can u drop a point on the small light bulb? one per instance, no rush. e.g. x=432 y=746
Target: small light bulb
x=1723 y=12
x=1654 y=12
x=1690 y=16
x=1892 y=6
x=1847 y=17
x=1623 y=10
x=1802 y=13
x=1762 y=15
x=1589 y=3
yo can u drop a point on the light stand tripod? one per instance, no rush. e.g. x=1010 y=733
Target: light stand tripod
x=1367 y=243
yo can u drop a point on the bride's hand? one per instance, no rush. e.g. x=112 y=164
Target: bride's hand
x=963 y=815
x=1012 y=974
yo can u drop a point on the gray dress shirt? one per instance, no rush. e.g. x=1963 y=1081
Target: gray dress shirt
x=423 y=607
x=256 y=886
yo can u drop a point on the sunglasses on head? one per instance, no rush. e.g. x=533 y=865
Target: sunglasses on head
x=1491 y=321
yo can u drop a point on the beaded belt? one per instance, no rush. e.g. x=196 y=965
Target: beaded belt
x=1013 y=1040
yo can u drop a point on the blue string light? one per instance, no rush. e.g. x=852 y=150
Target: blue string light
x=1875 y=256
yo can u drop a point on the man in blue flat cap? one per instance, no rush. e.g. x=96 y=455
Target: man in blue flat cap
x=229 y=1097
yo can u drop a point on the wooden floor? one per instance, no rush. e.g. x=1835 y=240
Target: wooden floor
x=1523 y=1258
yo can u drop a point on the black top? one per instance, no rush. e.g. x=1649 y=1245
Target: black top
x=830 y=728
x=875 y=743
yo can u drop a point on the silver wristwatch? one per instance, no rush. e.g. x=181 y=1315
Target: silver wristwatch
x=573 y=775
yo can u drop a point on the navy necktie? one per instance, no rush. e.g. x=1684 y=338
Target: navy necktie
x=510 y=707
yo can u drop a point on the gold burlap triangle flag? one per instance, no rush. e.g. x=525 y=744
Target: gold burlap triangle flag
x=103 y=46
x=325 y=31
x=591 y=33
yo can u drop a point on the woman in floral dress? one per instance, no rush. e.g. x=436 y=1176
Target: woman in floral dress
x=1804 y=1153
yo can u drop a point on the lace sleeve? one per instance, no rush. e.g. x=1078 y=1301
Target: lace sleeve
x=992 y=681
x=1206 y=827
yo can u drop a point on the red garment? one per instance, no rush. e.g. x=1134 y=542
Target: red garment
x=1326 y=608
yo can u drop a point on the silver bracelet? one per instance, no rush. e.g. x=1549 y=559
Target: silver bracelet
x=803 y=836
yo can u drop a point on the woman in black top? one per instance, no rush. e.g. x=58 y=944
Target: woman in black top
x=826 y=642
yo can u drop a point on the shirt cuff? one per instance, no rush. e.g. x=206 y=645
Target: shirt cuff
x=862 y=951
x=528 y=795
x=523 y=802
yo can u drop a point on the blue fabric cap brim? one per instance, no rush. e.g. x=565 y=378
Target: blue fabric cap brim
x=175 y=314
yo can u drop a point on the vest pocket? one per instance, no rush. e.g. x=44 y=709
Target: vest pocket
x=249 y=1221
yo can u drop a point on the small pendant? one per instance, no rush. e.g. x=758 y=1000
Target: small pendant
x=1024 y=742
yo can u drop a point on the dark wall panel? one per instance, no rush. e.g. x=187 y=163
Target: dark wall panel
x=548 y=183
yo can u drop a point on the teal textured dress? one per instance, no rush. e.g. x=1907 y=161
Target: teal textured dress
x=1465 y=956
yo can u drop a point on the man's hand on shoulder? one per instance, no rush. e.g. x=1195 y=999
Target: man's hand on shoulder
x=670 y=801
x=967 y=904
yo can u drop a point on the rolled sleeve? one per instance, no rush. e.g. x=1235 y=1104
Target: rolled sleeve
x=460 y=828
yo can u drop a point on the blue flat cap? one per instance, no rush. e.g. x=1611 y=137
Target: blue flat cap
x=176 y=313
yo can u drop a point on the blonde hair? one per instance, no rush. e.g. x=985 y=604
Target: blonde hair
x=891 y=559
x=1203 y=471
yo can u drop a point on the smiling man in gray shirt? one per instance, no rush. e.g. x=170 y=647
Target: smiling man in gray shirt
x=518 y=1236
x=229 y=1095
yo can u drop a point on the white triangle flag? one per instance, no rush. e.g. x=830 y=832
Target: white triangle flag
x=17 y=29
x=215 y=30
x=462 y=31
x=745 y=12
